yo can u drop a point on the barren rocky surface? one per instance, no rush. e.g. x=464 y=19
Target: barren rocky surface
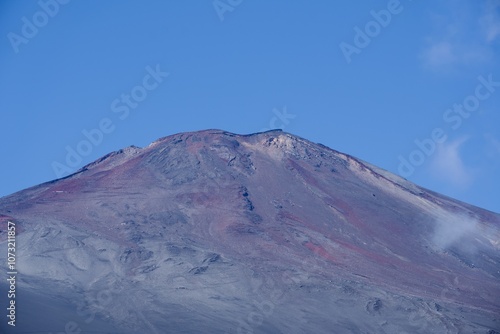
x=213 y=232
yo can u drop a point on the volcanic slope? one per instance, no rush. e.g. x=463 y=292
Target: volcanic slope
x=213 y=232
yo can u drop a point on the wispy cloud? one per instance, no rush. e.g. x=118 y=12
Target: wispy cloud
x=447 y=163
x=493 y=148
x=490 y=20
x=453 y=229
x=462 y=36
x=440 y=53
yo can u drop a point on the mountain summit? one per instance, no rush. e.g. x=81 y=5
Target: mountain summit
x=213 y=232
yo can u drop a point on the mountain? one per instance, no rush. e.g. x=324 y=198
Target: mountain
x=213 y=232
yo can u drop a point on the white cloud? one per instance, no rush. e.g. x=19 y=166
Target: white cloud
x=453 y=229
x=448 y=165
x=464 y=36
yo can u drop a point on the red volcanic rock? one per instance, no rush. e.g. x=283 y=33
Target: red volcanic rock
x=215 y=232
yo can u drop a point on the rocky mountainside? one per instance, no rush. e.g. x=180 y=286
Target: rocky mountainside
x=213 y=232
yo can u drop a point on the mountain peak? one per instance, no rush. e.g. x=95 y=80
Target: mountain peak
x=212 y=221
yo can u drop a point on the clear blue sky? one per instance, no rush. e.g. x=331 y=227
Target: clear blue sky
x=329 y=69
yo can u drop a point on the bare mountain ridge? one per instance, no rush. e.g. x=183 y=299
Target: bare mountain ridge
x=217 y=232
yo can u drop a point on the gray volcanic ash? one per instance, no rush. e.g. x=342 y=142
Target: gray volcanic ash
x=212 y=232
